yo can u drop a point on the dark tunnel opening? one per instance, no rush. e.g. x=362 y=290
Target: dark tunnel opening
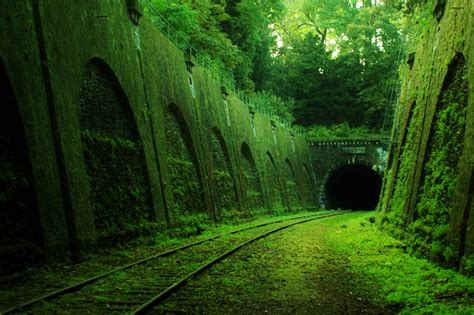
x=353 y=187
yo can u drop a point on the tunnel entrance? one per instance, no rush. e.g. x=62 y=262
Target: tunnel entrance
x=353 y=187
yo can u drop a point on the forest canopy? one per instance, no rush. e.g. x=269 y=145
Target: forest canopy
x=312 y=62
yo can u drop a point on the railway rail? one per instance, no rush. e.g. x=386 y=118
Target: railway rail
x=139 y=286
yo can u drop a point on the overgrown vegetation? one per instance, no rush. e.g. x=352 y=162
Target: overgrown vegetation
x=406 y=284
x=224 y=186
x=341 y=131
x=183 y=171
x=437 y=197
x=119 y=190
x=313 y=61
x=251 y=183
x=114 y=159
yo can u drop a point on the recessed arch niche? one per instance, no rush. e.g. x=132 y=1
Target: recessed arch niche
x=223 y=175
x=113 y=154
x=183 y=168
x=250 y=179
x=20 y=229
x=292 y=191
x=275 y=193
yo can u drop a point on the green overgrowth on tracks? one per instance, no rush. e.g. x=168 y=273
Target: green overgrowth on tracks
x=35 y=281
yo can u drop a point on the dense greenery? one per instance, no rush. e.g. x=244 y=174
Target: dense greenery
x=120 y=196
x=313 y=61
x=437 y=197
x=183 y=170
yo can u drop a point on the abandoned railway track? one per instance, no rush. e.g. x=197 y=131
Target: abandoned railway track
x=140 y=286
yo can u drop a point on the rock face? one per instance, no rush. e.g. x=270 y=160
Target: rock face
x=428 y=189
x=108 y=131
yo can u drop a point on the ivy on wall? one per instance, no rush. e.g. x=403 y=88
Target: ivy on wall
x=427 y=229
x=436 y=198
x=183 y=170
x=275 y=194
x=113 y=155
x=251 y=181
x=226 y=202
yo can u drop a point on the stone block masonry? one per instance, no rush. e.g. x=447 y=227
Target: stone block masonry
x=107 y=134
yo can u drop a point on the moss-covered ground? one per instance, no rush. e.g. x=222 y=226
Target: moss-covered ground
x=340 y=265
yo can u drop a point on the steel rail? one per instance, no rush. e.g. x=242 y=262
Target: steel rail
x=79 y=285
x=157 y=299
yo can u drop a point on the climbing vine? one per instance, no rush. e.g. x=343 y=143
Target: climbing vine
x=440 y=173
x=119 y=190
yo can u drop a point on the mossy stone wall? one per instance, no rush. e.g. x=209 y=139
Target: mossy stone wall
x=78 y=158
x=427 y=195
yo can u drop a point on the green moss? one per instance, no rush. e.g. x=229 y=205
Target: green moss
x=440 y=173
x=120 y=195
x=225 y=192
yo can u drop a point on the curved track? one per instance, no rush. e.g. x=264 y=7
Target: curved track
x=139 y=286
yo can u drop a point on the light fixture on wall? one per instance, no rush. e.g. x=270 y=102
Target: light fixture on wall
x=135 y=10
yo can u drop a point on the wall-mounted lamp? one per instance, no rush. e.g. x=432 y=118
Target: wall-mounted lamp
x=411 y=60
x=135 y=10
x=224 y=91
x=189 y=60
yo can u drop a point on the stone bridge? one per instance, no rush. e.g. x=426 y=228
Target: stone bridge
x=348 y=172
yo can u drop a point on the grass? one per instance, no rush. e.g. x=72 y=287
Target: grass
x=409 y=284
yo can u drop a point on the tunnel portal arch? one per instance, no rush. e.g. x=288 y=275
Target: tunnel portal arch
x=351 y=186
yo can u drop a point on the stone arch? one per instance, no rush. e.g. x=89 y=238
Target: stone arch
x=20 y=229
x=352 y=186
x=437 y=197
x=275 y=193
x=291 y=186
x=113 y=154
x=251 y=180
x=223 y=175
x=183 y=168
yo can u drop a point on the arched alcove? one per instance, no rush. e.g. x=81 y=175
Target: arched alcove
x=251 y=180
x=113 y=154
x=438 y=183
x=223 y=175
x=352 y=187
x=292 y=191
x=183 y=169
x=275 y=194
x=20 y=232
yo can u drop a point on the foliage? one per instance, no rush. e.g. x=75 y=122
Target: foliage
x=224 y=187
x=233 y=35
x=275 y=105
x=120 y=196
x=183 y=170
x=340 y=131
x=437 y=193
x=407 y=285
x=337 y=61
